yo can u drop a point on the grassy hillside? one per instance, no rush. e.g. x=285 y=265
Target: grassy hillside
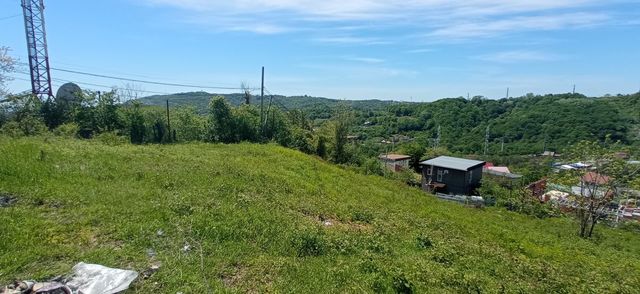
x=263 y=218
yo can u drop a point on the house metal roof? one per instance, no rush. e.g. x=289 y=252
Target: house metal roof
x=394 y=157
x=453 y=163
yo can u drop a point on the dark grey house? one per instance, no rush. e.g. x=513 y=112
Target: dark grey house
x=451 y=175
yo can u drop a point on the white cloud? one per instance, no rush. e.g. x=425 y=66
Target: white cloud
x=517 y=56
x=437 y=19
x=370 y=60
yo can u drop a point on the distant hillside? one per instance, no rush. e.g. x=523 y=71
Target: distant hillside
x=525 y=124
x=261 y=218
x=200 y=100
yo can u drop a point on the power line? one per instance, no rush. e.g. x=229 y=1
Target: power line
x=11 y=16
x=92 y=84
x=144 y=81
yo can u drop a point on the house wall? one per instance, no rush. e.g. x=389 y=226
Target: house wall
x=458 y=182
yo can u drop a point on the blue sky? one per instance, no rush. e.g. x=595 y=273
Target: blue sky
x=411 y=50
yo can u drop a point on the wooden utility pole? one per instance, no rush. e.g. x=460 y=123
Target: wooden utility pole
x=262 y=98
x=168 y=121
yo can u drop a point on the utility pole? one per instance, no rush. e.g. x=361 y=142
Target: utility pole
x=168 y=120
x=262 y=98
x=486 y=140
x=437 y=143
x=502 y=146
x=574 y=89
x=507 y=93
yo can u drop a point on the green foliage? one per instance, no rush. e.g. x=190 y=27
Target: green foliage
x=189 y=125
x=222 y=124
x=137 y=129
x=107 y=117
x=340 y=128
x=416 y=151
x=321 y=147
x=69 y=130
x=309 y=243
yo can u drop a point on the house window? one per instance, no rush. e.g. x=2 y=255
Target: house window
x=429 y=170
x=470 y=176
x=440 y=173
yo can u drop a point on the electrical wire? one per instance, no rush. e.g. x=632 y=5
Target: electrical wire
x=143 y=81
x=10 y=16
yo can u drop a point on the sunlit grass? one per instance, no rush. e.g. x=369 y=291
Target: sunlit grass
x=265 y=218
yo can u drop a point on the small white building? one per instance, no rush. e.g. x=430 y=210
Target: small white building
x=395 y=162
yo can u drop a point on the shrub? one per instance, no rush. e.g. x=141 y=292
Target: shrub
x=111 y=139
x=67 y=130
x=309 y=243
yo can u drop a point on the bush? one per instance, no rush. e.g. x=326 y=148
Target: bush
x=309 y=244
x=111 y=139
x=67 y=130
x=29 y=126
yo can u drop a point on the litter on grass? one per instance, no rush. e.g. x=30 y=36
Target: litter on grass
x=86 y=279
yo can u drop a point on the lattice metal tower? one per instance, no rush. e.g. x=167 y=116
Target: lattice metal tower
x=33 y=11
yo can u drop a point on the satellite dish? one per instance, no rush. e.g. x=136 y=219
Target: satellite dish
x=69 y=93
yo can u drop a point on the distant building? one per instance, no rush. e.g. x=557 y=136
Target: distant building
x=395 y=162
x=451 y=175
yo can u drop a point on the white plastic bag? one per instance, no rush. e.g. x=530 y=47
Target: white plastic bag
x=98 y=279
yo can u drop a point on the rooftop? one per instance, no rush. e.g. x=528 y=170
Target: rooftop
x=595 y=178
x=394 y=157
x=453 y=163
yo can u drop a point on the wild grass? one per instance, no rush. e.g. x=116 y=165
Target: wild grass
x=262 y=218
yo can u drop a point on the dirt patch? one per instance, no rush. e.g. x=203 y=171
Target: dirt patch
x=7 y=200
x=234 y=276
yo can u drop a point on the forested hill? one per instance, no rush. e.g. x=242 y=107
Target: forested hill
x=526 y=124
x=317 y=105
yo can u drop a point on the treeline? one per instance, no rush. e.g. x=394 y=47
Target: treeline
x=102 y=115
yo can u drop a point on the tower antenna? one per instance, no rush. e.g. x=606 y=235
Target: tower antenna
x=33 y=11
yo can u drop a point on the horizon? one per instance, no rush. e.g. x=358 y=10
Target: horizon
x=420 y=51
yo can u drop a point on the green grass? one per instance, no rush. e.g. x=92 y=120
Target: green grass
x=253 y=216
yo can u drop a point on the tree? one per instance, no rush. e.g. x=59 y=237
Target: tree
x=321 y=147
x=340 y=124
x=7 y=65
x=107 y=118
x=596 y=188
x=416 y=151
x=189 y=125
x=136 y=124
x=221 y=121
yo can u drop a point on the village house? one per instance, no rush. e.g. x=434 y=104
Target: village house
x=451 y=175
x=395 y=162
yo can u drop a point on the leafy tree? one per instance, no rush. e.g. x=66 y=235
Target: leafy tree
x=7 y=65
x=137 y=130
x=246 y=121
x=189 y=125
x=321 y=147
x=107 y=117
x=221 y=121
x=416 y=151
x=340 y=128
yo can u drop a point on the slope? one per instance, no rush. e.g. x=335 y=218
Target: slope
x=261 y=218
